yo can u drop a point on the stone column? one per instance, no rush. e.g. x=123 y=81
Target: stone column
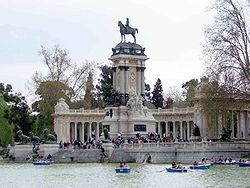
x=83 y=132
x=220 y=122
x=114 y=77
x=238 y=125
x=181 y=130
x=174 y=130
x=89 y=130
x=188 y=130
x=97 y=131
x=142 y=81
x=122 y=79
x=166 y=124
x=232 y=124
x=160 y=129
x=243 y=124
x=75 y=137
x=138 y=71
x=126 y=90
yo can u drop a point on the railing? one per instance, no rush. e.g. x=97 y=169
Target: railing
x=81 y=111
x=173 y=110
x=190 y=145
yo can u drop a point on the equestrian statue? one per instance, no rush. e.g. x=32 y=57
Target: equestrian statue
x=127 y=30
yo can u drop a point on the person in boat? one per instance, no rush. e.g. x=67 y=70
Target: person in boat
x=195 y=163
x=49 y=157
x=125 y=165
x=179 y=166
x=203 y=160
x=220 y=160
x=173 y=164
x=121 y=165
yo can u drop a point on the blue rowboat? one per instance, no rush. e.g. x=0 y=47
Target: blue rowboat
x=200 y=167
x=122 y=170
x=175 y=170
x=229 y=163
x=224 y=163
x=43 y=163
x=243 y=164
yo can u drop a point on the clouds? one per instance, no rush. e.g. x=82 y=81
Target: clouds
x=171 y=32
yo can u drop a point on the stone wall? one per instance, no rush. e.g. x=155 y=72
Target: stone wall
x=140 y=153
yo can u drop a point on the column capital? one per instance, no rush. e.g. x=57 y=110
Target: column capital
x=114 y=69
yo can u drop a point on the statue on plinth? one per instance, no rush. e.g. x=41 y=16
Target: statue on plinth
x=23 y=139
x=34 y=139
x=127 y=30
x=48 y=138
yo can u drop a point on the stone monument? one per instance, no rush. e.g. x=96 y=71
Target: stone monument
x=131 y=116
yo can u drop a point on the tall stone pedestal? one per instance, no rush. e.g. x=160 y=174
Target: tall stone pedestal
x=129 y=120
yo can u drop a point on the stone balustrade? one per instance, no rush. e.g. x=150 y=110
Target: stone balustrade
x=83 y=111
x=187 y=110
x=190 y=145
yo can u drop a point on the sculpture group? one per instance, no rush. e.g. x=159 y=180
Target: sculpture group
x=46 y=137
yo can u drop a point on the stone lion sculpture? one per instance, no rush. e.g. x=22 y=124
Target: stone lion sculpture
x=33 y=138
x=48 y=136
x=23 y=138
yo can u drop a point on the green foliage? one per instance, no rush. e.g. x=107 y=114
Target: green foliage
x=6 y=130
x=89 y=97
x=105 y=85
x=50 y=92
x=190 y=86
x=18 y=112
x=147 y=92
x=157 y=94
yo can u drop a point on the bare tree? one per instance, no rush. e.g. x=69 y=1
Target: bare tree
x=227 y=46
x=176 y=95
x=61 y=69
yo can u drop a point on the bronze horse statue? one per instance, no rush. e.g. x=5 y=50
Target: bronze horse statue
x=126 y=31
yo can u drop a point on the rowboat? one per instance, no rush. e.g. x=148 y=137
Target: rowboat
x=243 y=164
x=205 y=166
x=175 y=170
x=122 y=170
x=43 y=162
x=225 y=163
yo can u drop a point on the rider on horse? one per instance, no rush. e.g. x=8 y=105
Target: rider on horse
x=127 y=25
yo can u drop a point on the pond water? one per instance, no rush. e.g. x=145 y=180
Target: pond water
x=103 y=175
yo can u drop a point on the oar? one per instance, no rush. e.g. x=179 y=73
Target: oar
x=161 y=170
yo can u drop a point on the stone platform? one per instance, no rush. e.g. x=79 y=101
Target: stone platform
x=139 y=153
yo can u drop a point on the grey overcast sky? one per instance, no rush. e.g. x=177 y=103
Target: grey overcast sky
x=170 y=30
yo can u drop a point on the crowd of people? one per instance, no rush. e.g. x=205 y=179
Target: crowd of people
x=138 y=138
x=91 y=144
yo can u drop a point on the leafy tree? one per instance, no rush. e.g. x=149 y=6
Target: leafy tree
x=18 y=112
x=190 y=86
x=6 y=129
x=147 y=92
x=157 y=96
x=105 y=85
x=89 y=97
x=227 y=46
x=50 y=92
